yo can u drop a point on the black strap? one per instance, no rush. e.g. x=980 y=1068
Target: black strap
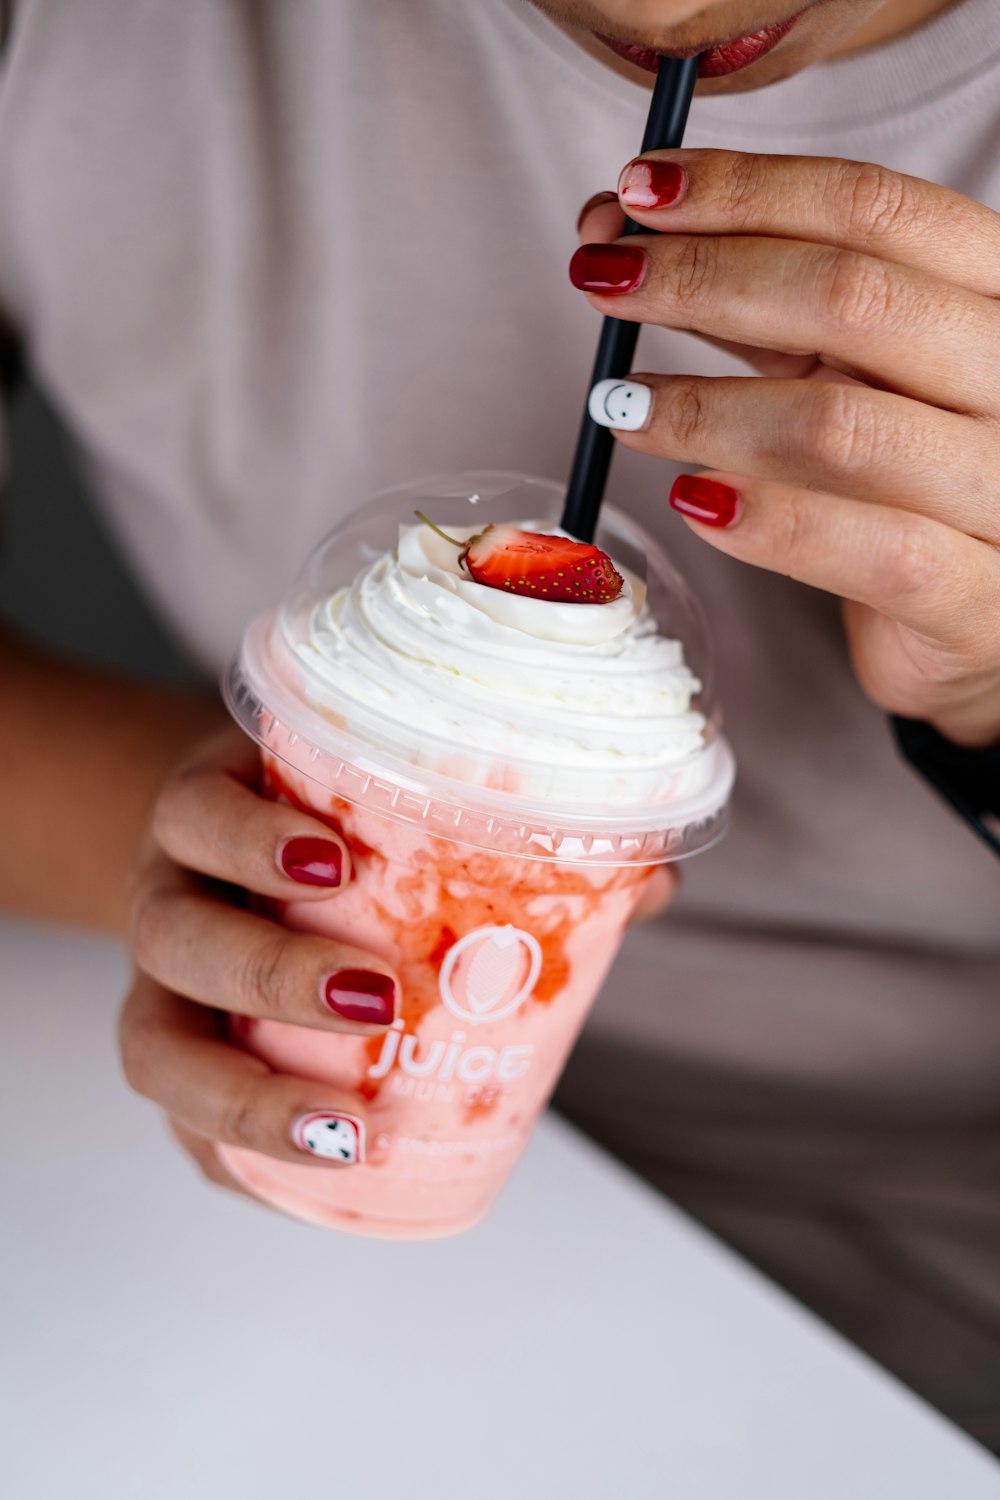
x=11 y=359
x=968 y=780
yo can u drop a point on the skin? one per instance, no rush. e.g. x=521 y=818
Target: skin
x=826 y=29
x=156 y=804
x=198 y=955
x=866 y=457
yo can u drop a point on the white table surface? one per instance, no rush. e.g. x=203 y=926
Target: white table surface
x=160 y=1340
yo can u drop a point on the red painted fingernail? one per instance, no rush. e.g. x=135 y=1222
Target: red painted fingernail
x=361 y=995
x=607 y=269
x=652 y=184
x=594 y=202
x=312 y=861
x=705 y=500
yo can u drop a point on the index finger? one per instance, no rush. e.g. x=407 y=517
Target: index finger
x=209 y=818
x=853 y=205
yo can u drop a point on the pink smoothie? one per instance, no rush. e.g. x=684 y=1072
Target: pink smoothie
x=499 y=957
x=506 y=770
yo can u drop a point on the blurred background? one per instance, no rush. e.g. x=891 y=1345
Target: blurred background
x=61 y=576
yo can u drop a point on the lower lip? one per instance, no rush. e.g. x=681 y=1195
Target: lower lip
x=717 y=62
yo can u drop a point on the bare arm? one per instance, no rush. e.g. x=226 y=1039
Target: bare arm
x=83 y=755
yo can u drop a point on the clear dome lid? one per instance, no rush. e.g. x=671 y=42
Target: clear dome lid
x=501 y=729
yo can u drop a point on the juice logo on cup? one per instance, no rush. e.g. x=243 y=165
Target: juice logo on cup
x=488 y=973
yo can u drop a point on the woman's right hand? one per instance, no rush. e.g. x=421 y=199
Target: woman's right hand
x=201 y=957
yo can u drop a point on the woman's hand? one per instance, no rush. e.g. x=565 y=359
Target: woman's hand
x=202 y=957
x=866 y=461
x=200 y=954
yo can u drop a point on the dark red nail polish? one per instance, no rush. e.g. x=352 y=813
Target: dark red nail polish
x=594 y=202
x=312 y=861
x=361 y=995
x=607 y=269
x=652 y=184
x=705 y=500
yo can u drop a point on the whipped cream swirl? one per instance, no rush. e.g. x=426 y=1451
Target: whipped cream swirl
x=533 y=690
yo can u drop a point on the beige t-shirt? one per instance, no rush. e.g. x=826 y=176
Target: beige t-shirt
x=268 y=258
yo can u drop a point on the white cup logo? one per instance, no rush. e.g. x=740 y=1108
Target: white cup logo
x=490 y=972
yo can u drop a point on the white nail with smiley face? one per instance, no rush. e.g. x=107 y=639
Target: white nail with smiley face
x=620 y=403
x=331 y=1135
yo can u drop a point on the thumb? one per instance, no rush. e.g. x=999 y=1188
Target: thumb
x=601 y=219
x=659 y=892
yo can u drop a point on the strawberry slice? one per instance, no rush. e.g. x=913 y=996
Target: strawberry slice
x=537 y=565
x=541 y=566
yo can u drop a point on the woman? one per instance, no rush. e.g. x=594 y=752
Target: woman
x=270 y=258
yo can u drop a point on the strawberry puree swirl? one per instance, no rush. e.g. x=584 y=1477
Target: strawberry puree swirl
x=540 y=687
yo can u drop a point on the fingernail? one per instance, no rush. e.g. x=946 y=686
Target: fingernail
x=361 y=995
x=607 y=269
x=705 y=500
x=332 y=1135
x=620 y=403
x=594 y=202
x=652 y=184
x=312 y=861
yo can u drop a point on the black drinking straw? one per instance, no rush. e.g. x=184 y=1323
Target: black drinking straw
x=675 y=81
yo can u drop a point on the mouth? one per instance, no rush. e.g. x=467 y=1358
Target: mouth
x=717 y=61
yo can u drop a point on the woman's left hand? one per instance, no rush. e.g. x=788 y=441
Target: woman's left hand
x=865 y=459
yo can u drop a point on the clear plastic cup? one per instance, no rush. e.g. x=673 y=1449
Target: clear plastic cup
x=498 y=887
